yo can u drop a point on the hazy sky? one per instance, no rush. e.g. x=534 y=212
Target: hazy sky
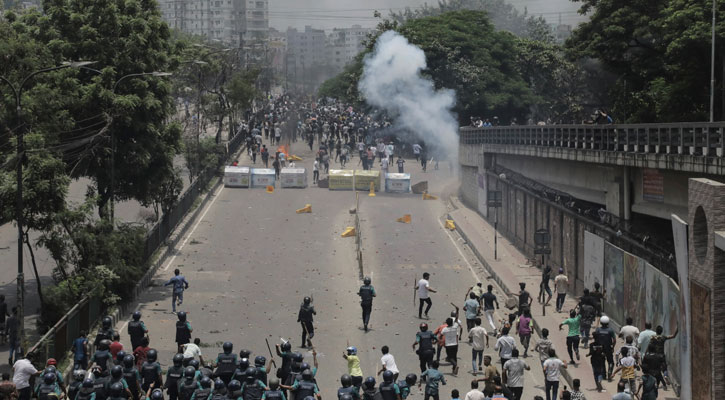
x=328 y=14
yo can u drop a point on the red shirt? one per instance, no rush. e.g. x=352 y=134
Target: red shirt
x=115 y=348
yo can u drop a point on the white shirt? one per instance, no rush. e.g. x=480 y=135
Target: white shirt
x=504 y=345
x=450 y=333
x=629 y=330
x=416 y=150
x=22 y=371
x=552 y=366
x=478 y=335
x=388 y=362
x=385 y=163
x=423 y=286
x=515 y=372
x=316 y=166
x=475 y=394
x=191 y=350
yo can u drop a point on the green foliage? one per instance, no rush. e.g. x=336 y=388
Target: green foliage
x=659 y=54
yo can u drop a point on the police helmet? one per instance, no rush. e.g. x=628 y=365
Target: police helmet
x=151 y=355
x=136 y=315
x=205 y=382
x=388 y=376
x=104 y=344
x=369 y=382
x=352 y=350
x=178 y=359
x=116 y=372
x=244 y=353
x=410 y=379
x=286 y=346
x=181 y=315
x=128 y=361
x=346 y=380
x=88 y=383
x=157 y=394
x=79 y=374
x=116 y=389
x=259 y=361
x=243 y=364
x=227 y=347
x=219 y=384
x=366 y=280
x=604 y=320
x=234 y=386
x=106 y=322
x=51 y=369
x=304 y=366
x=120 y=355
x=189 y=372
x=297 y=357
x=423 y=327
x=307 y=375
x=273 y=383
x=195 y=364
x=251 y=374
x=307 y=300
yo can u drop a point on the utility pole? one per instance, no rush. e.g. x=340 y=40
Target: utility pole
x=712 y=64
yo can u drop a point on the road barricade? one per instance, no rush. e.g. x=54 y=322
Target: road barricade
x=364 y=177
x=263 y=177
x=397 y=183
x=236 y=176
x=293 y=178
x=341 y=179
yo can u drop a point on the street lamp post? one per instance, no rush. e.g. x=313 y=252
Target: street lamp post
x=712 y=64
x=20 y=149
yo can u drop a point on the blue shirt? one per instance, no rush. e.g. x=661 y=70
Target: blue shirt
x=471 y=307
x=179 y=283
x=434 y=377
x=79 y=348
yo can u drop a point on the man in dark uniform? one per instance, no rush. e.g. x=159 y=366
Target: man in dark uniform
x=136 y=330
x=305 y=318
x=226 y=363
x=366 y=293
x=183 y=331
x=424 y=339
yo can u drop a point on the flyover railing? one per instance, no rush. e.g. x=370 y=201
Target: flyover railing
x=695 y=138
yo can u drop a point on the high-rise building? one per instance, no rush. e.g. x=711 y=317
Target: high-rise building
x=236 y=22
x=344 y=44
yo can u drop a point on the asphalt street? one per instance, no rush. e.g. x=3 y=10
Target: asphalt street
x=250 y=260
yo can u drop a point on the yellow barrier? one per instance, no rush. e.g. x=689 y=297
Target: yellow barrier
x=305 y=210
x=404 y=219
x=270 y=189
x=427 y=196
x=349 y=232
x=450 y=225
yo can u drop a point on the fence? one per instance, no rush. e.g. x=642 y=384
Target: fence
x=83 y=316
x=702 y=139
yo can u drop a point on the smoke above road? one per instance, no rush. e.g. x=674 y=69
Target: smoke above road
x=392 y=80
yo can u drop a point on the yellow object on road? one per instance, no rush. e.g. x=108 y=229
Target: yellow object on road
x=294 y=158
x=404 y=219
x=372 y=189
x=305 y=210
x=427 y=196
x=270 y=189
x=349 y=232
x=450 y=225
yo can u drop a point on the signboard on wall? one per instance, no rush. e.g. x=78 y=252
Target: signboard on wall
x=653 y=185
x=593 y=260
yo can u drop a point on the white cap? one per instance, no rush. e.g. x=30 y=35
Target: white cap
x=604 y=319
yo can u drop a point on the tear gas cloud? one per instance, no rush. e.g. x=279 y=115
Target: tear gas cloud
x=392 y=81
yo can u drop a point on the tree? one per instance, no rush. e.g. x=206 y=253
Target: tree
x=659 y=54
x=122 y=37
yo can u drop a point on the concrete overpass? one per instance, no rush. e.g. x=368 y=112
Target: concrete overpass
x=575 y=178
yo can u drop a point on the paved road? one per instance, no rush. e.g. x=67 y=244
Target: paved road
x=250 y=260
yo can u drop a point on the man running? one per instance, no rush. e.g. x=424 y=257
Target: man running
x=366 y=293
x=305 y=318
x=423 y=288
x=488 y=301
x=180 y=284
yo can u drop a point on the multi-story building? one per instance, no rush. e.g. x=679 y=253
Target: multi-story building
x=236 y=22
x=344 y=44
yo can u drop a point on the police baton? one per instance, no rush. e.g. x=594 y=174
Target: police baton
x=271 y=356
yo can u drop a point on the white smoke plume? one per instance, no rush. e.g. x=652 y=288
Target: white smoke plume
x=392 y=80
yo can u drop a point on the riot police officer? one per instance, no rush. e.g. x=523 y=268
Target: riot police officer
x=106 y=331
x=366 y=293
x=151 y=371
x=136 y=330
x=173 y=376
x=304 y=388
x=204 y=391
x=115 y=391
x=131 y=375
x=220 y=390
x=189 y=384
x=102 y=357
x=226 y=362
x=48 y=387
x=389 y=390
x=117 y=377
x=75 y=386
x=183 y=331
x=273 y=393
x=369 y=390
x=86 y=391
x=305 y=318
x=234 y=390
x=425 y=341
x=347 y=388
x=259 y=364
x=252 y=388
x=406 y=385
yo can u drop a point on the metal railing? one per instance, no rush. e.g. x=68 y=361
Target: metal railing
x=695 y=138
x=83 y=316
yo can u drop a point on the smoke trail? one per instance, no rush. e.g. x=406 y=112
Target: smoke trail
x=392 y=80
